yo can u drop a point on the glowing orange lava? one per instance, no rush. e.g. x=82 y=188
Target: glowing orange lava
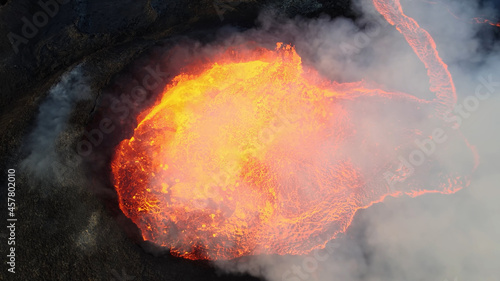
x=257 y=154
x=487 y=21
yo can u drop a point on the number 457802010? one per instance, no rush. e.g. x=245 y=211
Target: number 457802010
x=11 y=203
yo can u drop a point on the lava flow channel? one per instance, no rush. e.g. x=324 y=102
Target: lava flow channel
x=255 y=153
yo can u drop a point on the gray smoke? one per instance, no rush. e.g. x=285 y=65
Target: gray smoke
x=431 y=237
x=43 y=143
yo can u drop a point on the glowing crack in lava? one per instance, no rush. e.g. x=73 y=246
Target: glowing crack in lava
x=258 y=154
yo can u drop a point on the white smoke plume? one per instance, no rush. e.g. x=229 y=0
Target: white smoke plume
x=432 y=237
x=43 y=160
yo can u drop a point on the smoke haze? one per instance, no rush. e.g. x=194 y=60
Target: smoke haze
x=43 y=160
x=431 y=237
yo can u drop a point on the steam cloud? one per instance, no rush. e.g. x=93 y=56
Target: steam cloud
x=43 y=160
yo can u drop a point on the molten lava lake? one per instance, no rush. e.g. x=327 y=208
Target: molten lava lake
x=251 y=152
